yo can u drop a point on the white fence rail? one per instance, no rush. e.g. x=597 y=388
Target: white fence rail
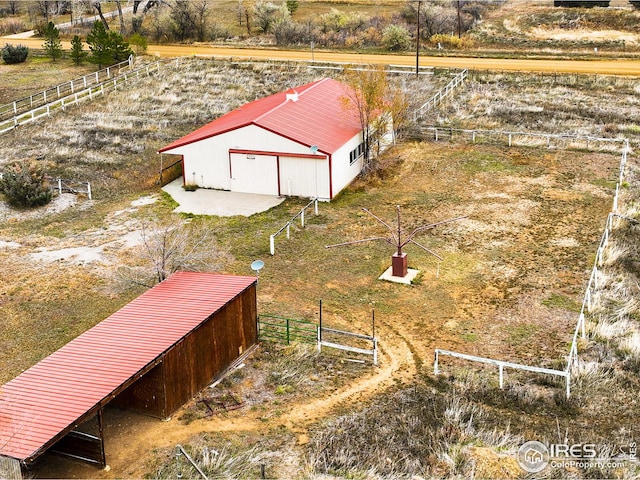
x=70 y=186
x=566 y=374
x=287 y=226
x=85 y=94
x=443 y=93
x=373 y=351
x=592 y=285
x=563 y=141
x=66 y=186
x=65 y=89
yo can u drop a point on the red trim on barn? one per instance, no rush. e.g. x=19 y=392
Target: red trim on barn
x=275 y=154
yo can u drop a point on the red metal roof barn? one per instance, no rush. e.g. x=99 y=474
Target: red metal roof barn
x=151 y=356
x=303 y=142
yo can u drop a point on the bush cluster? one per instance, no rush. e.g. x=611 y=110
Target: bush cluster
x=14 y=54
x=24 y=185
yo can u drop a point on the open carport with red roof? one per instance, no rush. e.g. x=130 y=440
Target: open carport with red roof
x=151 y=356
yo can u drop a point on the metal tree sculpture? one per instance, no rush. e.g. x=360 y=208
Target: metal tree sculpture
x=399 y=259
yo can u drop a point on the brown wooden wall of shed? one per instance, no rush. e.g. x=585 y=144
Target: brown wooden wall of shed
x=202 y=356
x=146 y=395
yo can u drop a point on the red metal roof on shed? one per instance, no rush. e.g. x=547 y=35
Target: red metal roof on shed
x=47 y=399
x=318 y=117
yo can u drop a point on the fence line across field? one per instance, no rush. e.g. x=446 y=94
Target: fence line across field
x=85 y=94
x=566 y=374
x=441 y=94
x=592 y=285
x=512 y=137
x=287 y=226
x=65 y=89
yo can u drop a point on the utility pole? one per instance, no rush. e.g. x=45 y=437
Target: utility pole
x=459 y=22
x=418 y=40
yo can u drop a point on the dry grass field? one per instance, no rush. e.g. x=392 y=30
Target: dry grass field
x=510 y=285
x=35 y=75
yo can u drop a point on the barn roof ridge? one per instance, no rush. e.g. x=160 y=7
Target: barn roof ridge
x=328 y=126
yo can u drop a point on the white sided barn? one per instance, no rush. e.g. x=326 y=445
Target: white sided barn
x=303 y=142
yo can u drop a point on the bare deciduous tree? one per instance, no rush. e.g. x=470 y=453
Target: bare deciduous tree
x=168 y=247
x=367 y=98
x=120 y=16
x=98 y=6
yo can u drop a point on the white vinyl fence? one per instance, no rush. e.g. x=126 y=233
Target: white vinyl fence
x=62 y=90
x=592 y=285
x=560 y=141
x=287 y=226
x=440 y=95
x=89 y=93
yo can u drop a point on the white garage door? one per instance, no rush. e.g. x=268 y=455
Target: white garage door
x=304 y=177
x=254 y=173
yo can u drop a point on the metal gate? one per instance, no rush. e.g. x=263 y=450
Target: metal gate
x=286 y=330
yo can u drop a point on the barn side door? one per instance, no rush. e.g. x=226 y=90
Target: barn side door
x=254 y=173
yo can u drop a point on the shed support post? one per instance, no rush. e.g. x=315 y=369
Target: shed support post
x=103 y=458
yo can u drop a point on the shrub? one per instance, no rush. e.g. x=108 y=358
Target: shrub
x=14 y=54
x=395 y=38
x=24 y=185
x=288 y=32
x=139 y=43
x=449 y=41
x=9 y=26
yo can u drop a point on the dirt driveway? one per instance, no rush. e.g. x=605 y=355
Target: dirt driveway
x=595 y=66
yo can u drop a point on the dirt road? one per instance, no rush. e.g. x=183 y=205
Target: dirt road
x=595 y=66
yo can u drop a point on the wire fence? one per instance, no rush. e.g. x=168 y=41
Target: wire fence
x=287 y=226
x=592 y=285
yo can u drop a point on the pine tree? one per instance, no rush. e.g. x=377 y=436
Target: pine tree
x=292 y=6
x=52 y=44
x=99 y=43
x=119 y=48
x=77 y=53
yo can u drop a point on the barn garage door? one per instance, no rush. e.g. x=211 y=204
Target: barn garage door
x=304 y=177
x=254 y=173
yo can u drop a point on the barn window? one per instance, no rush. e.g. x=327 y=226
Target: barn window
x=356 y=153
